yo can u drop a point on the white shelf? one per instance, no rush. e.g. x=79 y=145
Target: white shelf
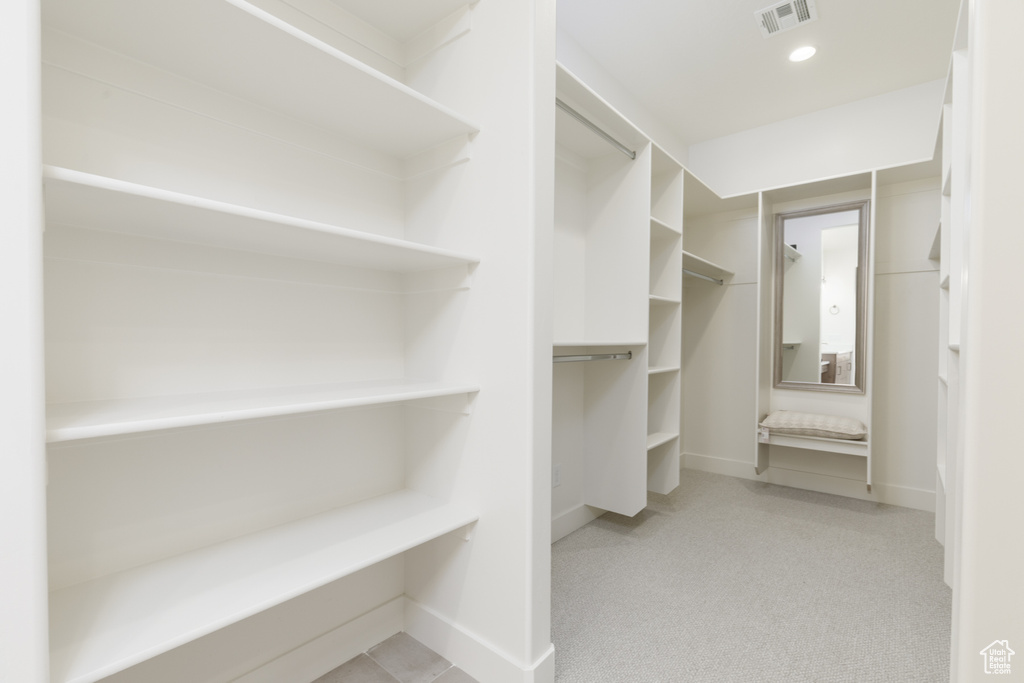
x=104 y=626
x=790 y=345
x=664 y=301
x=662 y=230
x=818 y=443
x=662 y=369
x=267 y=62
x=791 y=253
x=90 y=419
x=659 y=438
x=98 y=203
x=696 y=264
x=571 y=343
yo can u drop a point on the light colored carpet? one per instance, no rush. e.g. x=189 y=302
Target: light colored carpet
x=734 y=580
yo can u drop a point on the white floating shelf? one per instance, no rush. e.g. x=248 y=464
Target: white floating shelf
x=790 y=345
x=659 y=438
x=106 y=625
x=242 y=50
x=664 y=301
x=662 y=369
x=662 y=230
x=696 y=264
x=98 y=203
x=91 y=419
x=818 y=443
x=791 y=253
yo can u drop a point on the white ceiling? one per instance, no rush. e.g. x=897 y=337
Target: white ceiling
x=703 y=68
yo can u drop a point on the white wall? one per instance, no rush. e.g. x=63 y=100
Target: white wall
x=801 y=301
x=893 y=129
x=906 y=327
x=839 y=289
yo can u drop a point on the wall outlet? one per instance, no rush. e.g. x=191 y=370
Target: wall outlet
x=556 y=476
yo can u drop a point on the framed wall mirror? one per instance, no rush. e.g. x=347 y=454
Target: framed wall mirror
x=820 y=298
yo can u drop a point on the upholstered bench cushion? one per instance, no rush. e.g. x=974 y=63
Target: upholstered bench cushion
x=813 y=424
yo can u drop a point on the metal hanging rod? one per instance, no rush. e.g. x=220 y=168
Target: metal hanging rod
x=704 y=277
x=592 y=126
x=598 y=356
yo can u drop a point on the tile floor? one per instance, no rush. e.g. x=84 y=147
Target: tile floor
x=399 y=659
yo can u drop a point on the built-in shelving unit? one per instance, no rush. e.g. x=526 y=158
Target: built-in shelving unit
x=665 y=322
x=261 y=310
x=953 y=220
x=601 y=301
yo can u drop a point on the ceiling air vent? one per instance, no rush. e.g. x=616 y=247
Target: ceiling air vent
x=784 y=16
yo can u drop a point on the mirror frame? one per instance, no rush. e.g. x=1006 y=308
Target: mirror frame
x=860 y=346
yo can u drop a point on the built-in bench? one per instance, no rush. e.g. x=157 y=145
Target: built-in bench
x=814 y=431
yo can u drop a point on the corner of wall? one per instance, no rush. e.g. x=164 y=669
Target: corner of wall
x=888 y=130
x=573 y=57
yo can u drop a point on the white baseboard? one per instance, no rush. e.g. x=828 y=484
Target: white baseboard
x=903 y=496
x=572 y=519
x=471 y=653
x=312 y=660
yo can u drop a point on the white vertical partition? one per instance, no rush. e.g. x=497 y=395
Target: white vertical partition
x=665 y=334
x=602 y=291
x=23 y=626
x=765 y=326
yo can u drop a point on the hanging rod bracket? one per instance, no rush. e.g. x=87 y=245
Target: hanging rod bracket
x=593 y=126
x=702 y=276
x=594 y=356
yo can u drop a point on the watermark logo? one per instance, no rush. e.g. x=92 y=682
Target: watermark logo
x=997 y=657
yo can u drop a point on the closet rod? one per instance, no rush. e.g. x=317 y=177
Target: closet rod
x=704 y=277
x=592 y=126
x=599 y=356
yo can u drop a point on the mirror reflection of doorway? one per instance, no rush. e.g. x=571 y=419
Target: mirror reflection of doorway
x=819 y=323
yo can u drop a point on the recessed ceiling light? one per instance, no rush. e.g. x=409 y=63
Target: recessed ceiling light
x=802 y=53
